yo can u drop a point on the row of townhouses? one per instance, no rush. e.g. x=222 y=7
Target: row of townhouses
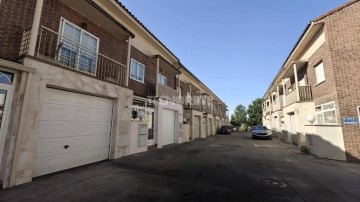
x=314 y=100
x=85 y=81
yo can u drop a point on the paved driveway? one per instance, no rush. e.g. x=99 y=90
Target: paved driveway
x=219 y=168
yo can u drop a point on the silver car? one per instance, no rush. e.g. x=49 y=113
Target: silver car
x=261 y=132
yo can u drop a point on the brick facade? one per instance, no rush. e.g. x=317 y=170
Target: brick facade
x=140 y=89
x=109 y=45
x=343 y=38
x=15 y=16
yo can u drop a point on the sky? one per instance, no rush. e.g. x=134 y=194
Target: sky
x=235 y=47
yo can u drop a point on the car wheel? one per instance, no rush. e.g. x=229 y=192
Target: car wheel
x=253 y=137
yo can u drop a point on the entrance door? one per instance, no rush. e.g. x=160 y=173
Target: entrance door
x=6 y=87
x=293 y=129
x=210 y=126
x=197 y=128
x=168 y=127
x=151 y=126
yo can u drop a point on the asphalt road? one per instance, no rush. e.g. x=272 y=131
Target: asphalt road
x=218 y=168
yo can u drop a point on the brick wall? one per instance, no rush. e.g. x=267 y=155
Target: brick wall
x=343 y=38
x=171 y=77
x=109 y=45
x=140 y=89
x=15 y=16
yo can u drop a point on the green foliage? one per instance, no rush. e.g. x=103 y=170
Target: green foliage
x=244 y=127
x=239 y=116
x=255 y=112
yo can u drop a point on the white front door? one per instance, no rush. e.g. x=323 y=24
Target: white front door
x=293 y=129
x=168 y=127
x=6 y=88
x=75 y=130
x=197 y=127
x=151 y=127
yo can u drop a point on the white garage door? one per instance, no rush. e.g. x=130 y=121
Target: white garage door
x=168 y=126
x=74 y=130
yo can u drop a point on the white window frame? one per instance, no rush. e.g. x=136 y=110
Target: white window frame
x=327 y=110
x=162 y=79
x=137 y=69
x=320 y=74
x=61 y=31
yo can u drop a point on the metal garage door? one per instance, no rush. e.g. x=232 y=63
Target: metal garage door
x=197 y=129
x=168 y=126
x=74 y=130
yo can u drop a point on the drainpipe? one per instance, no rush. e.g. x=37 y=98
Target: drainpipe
x=35 y=27
x=128 y=62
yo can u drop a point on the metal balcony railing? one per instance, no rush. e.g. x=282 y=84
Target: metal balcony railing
x=305 y=93
x=61 y=50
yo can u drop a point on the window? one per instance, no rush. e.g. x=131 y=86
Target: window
x=319 y=71
x=162 y=79
x=137 y=71
x=326 y=113
x=78 y=48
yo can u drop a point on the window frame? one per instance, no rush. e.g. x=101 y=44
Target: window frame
x=160 y=77
x=322 y=113
x=137 y=71
x=82 y=31
x=323 y=72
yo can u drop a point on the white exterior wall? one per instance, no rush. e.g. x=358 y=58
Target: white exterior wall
x=301 y=111
x=326 y=141
x=61 y=78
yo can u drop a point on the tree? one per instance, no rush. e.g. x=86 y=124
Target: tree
x=239 y=116
x=255 y=112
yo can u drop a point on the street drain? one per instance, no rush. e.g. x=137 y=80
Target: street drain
x=275 y=183
x=172 y=173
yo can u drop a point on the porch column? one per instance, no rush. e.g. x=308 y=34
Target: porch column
x=35 y=27
x=128 y=62
x=190 y=96
x=284 y=90
x=157 y=77
x=296 y=83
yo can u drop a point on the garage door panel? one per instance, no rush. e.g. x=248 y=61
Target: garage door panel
x=45 y=165
x=49 y=147
x=82 y=122
x=168 y=127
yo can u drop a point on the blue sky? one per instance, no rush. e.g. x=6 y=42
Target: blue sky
x=235 y=47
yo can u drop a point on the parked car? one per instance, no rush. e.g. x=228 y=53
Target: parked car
x=261 y=132
x=226 y=130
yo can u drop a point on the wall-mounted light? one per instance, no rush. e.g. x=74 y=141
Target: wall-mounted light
x=311 y=118
x=141 y=114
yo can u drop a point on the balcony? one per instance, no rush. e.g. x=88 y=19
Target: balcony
x=165 y=92
x=304 y=95
x=59 y=50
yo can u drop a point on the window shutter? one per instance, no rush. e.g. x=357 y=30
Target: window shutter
x=319 y=71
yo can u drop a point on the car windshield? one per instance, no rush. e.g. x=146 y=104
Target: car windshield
x=260 y=128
